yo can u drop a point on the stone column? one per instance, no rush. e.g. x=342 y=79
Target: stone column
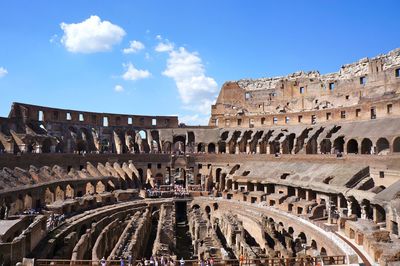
x=268 y=149
x=258 y=148
x=38 y=148
x=216 y=148
x=349 y=209
x=248 y=148
x=237 y=149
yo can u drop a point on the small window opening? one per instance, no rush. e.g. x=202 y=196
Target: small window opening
x=389 y=108
x=373 y=113
x=247 y=95
x=397 y=73
x=331 y=86
x=130 y=121
x=287 y=120
x=69 y=117
x=363 y=80
x=328 y=116
x=313 y=119
x=381 y=174
x=343 y=114
x=300 y=118
x=105 y=121
x=301 y=90
x=40 y=116
x=275 y=120
x=81 y=118
x=154 y=122
x=358 y=112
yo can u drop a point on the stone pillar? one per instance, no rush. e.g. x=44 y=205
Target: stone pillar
x=319 y=149
x=364 y=212
x=216 y=148
x=237 y=149
x=38 y=148
x=268 y=149
x=258 y=148
x=205 y=148
x=195 y=148
x=349 y=209
x=280 y=147
x=248 y=148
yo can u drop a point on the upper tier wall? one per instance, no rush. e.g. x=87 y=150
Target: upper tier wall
x=355 y=85
x=28 y=112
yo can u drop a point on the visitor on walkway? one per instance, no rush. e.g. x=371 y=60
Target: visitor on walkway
x=182 y=262
x=129 y=260
x=103 y=261
x=122 y=262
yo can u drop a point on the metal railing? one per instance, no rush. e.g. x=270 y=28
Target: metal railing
x=312 y=261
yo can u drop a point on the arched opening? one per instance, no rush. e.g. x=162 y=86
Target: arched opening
x=326 y=146
x=211 y=148
x=288 y=144
x=366 y=146
x=46 y=145
x=222 y=147
x=352 y=146
x=159 y=179
x=141 y=177
x=179 y=144
x=382 y=146
x=218 y=175
x=314 y=244
x=396 y=145
x=338 y=144
x=312 y=146
x=323 y=252
x=201 y=147
x=380 y=214
x=167 y=147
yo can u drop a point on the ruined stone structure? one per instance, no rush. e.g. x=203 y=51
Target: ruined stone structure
x=305 y=166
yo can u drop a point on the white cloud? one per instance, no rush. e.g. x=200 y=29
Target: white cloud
x=196 y=90
x=194 y=119
x=3 y=72
x=91 y=35
x=133 y=73
x=158 y=37
x=118 y=88
x=134 y=47
x=164 y=46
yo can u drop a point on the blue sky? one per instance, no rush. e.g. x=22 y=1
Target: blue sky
x=70 y=54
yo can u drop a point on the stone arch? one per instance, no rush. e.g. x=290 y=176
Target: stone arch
x=60 y=194
x=69 y=192
x=352 y=146
x=28 y=204
x=382 y=146
x=211 y=148
x=338 y=144
x=48 y=196
x=366 y=146
x=90 y=189
x=380 y=214
x=396 y=144
x=100 y=187
x=326 y=146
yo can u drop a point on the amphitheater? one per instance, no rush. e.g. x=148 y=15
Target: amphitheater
x=296 y=170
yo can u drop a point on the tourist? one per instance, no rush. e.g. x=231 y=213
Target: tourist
x=122 y=262
x=129 y=260
x=211 y=262
x=182 y=262
x=103 y=261
x=241 y=259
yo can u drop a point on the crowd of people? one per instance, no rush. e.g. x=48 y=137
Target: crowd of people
x=157 y=261
x=54 y=220
x=178 y=191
